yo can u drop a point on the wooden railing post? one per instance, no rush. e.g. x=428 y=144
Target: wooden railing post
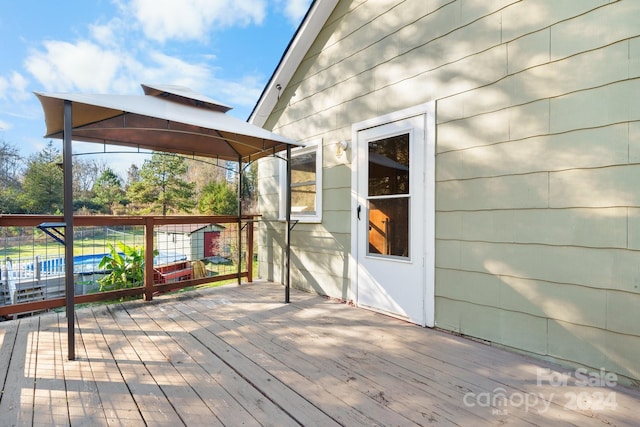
x=149 y=287
x=148 y=258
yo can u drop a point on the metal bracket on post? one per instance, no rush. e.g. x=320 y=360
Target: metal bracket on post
x=52 y=229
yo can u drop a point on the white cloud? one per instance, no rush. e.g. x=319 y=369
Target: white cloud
x=162 y=20
x=109 y=34
x=172 y=70
x=4 y=87
x=201 y=78
x=240 y=93
x=296 y=9
x=4 y=126
x=123 y=52
x=84 y=66
x=14 y=87
x=19 y=87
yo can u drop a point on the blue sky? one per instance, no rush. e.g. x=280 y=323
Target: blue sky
x=225 y=49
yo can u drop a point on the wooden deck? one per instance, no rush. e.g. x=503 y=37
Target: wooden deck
x=239 y=356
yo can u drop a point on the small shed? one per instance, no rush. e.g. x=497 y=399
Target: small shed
x=196 y=241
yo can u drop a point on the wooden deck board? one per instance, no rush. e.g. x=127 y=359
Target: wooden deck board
x=314 y=373
x=8 y=331
x=50 y=395
x=382 y=358
x=240 y=356
x=163 y=358
x=116 y=401
x=362 y=371
x=150 y=399
x=234 y=400
x=16 y=405
x=253 y=348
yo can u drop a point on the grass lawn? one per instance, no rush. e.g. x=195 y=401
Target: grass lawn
x=83 y=244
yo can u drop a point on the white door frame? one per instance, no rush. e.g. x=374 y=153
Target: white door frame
x=428 y=111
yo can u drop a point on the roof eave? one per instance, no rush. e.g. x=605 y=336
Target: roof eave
x=298 y=47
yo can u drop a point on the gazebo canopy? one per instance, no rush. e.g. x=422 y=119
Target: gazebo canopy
x=171 y=119
x=167 y=118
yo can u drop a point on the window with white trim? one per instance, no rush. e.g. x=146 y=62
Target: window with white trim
x=306 y=183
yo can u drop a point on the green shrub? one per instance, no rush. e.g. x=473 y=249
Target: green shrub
x=125 y=267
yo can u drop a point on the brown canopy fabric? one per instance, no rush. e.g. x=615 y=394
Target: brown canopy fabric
x=167 y=118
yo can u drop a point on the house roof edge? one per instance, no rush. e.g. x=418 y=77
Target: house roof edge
x=305 y=35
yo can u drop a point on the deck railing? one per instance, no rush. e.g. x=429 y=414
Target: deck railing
x=187 y=251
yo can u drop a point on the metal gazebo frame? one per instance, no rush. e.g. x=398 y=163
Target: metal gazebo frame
x=166 y=118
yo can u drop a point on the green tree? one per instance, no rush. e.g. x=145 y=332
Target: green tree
x=108 y=190
x=85 y=174
x=10 y=167
x=133 y=176
x=162 y=187
x=218 y=198
x=249 y=194
x=42 y=188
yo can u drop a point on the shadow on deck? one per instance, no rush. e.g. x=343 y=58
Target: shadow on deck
x=236 y=355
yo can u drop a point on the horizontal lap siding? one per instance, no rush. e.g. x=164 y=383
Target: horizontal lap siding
x=537 y=161
x=537 y=191
x=330 y=91
x=319 y=252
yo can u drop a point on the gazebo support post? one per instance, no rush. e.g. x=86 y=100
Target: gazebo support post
x=287 y=258
x=68 y=232
x=240 y=220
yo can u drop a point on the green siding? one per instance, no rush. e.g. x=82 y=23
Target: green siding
x=597 y=228
x=537 y=164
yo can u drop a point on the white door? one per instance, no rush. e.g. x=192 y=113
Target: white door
x=392 y=221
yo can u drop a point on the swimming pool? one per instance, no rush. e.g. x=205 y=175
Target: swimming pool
x=86 y=264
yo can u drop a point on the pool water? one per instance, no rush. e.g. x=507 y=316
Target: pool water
x=84 y=264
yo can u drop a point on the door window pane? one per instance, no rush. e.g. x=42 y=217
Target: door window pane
x=389 y=227
x=389 y=166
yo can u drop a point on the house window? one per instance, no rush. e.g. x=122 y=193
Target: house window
x=306 y=183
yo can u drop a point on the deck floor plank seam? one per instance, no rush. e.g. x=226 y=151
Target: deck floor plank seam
x=194 y=402
x=238 y=355
x=82 y=390
x=161 y=375
x=50 y=402
x=235 y=395
x=501 y=375
x=143 y=387
x=9 y=335
x=289 y=401
x=350 y=374
x=116 y=400
x=350 y=366
x=511 y=377
x=16 y=405
x=252 y=355
x=419 y=374
x=357 y=374
x=371 y=410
